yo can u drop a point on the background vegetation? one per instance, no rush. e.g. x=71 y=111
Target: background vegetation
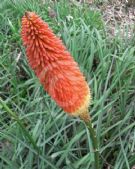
x=34 y=132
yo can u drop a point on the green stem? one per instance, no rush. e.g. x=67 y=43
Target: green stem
x=26 y=133
x=94 y=142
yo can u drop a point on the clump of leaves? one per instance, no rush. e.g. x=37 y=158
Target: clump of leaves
x=70 y=12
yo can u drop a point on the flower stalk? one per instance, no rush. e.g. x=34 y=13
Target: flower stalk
x=57 y=71
x=86 y=118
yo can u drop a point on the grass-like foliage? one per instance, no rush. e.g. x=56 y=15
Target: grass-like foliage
x=34 y=132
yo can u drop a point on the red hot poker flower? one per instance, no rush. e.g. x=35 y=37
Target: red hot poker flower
x=54 y=66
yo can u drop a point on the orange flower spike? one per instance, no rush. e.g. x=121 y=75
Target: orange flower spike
x=55 y=67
